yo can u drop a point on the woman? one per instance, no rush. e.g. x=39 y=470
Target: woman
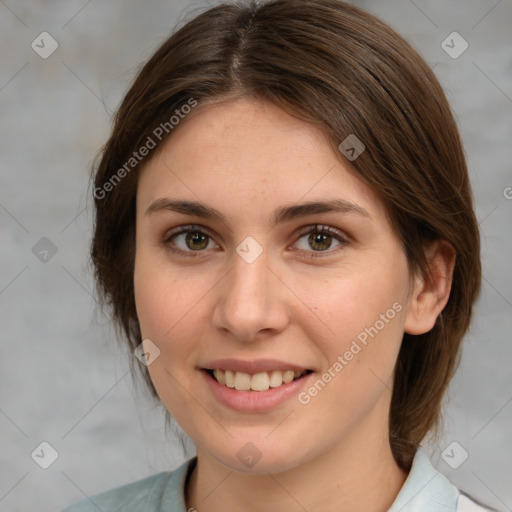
x=285 y=234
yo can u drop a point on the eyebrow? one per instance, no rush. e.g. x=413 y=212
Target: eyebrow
x=282 y=214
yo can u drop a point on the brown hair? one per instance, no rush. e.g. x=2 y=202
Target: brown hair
x=339 y=67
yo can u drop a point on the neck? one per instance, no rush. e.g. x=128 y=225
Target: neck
x=358 y=474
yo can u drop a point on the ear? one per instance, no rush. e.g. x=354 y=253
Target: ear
x=431 y=292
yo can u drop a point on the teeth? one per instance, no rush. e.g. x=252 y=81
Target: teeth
x=229 y=377
x=219 y=375
x=257 y=382
x=276 y=378
x=260 y=382
x=242 y=381
x=288 y=376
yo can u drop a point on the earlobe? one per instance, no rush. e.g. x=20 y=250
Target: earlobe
x=431 y=292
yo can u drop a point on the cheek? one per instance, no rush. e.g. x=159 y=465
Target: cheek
x=362 y=314
x=160 y=297
x=167 y=308
x=365 y=318
x=154 y=302
x=170 y=306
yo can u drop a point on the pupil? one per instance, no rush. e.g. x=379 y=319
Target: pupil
x=318 y=239
x=196 y=240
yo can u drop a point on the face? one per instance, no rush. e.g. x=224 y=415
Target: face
x=238 y=272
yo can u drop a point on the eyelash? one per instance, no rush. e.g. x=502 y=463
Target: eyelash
x=314 y=228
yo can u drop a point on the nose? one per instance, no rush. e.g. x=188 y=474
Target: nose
x=251 y=303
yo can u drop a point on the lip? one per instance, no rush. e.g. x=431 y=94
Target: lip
x=255 y=401
x=254 y=366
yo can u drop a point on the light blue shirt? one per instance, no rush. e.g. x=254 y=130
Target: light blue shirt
x=425 y=490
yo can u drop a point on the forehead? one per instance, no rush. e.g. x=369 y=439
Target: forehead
x=252 y=155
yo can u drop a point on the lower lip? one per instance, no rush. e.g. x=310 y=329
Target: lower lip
x=255 y=401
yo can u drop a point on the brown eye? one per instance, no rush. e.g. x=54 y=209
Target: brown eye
x=317 y=239
x=189 y=239
x=320 y=241
x=196 y=240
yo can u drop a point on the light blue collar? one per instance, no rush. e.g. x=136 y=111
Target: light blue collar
x=425 y=489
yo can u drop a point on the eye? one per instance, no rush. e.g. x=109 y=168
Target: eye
x=320 y=239
x=189 y=239
x=196 y=240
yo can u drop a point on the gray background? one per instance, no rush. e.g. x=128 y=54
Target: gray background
x=63 y=377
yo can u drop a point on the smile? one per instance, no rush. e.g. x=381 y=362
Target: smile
x=261 y=381
x=248 y=392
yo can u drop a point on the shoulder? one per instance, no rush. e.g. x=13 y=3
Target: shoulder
x=127 y=497
x=467 y=504
x=426 y=489
x=163 y=491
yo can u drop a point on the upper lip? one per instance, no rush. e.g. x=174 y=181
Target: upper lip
x=253 y=366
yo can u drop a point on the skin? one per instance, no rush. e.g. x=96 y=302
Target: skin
x=245 y=158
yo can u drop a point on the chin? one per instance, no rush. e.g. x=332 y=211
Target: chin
x=256 y=458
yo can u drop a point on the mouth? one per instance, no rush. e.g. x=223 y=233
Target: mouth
x=261 y=381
